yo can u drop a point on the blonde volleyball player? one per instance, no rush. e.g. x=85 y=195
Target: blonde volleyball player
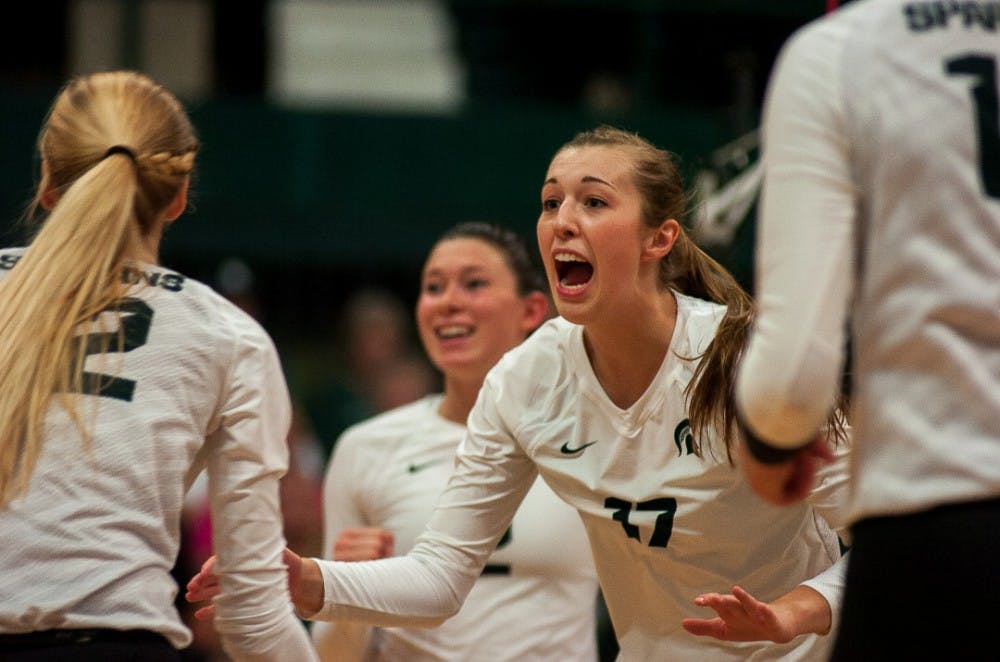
x=119 y=380
x=480 y=296
x=882 y=203
x=622 y=406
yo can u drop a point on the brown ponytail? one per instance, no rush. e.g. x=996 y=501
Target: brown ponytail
x=689 y=270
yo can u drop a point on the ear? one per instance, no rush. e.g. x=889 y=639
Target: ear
x=179 y=203
x=49 y=196
x=536 y=310
x=660 y=240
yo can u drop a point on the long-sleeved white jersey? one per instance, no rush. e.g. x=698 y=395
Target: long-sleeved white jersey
x=535 y=601
x=664 y=523
x=92 y=543
x=881 y=208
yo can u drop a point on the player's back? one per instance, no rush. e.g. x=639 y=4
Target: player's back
x=93 y=541
x=920 y=93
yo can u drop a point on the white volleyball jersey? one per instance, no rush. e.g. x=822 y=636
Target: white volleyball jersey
x=664 y=524
x=93 y=542
x=882 y=202
x=536 y=598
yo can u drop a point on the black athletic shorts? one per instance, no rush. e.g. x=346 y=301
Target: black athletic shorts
x=87 y=645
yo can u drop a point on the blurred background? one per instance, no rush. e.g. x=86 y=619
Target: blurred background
x=340 y=137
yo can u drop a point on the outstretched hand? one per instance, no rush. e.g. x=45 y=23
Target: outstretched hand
x=307 y=594
x=790 y=481
x=204 y=586
x=741 y=617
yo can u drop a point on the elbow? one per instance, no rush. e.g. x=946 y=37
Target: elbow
x=445 y=610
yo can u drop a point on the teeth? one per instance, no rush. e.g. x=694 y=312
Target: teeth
x=568 y=257
x=454 y=331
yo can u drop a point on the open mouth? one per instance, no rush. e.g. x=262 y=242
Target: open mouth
x=572 y=271
x=453 y=331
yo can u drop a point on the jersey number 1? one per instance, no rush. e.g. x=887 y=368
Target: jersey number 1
x=984 y=95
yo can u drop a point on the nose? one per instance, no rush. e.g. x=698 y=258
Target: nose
x=566 y=221
x=450 y=297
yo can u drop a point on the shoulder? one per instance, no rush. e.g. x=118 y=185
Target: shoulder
x=542 y=349
x=205 y=306
x=391 y=428
x=839 y=25
x=699 y=319
x=534 y=377
x=545 y=356
x=817 y=47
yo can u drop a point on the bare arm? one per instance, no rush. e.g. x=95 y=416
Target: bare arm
x=741 y=617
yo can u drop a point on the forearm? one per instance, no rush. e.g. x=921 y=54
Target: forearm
x=789 y=375
x=805 y=611
x=404 y=591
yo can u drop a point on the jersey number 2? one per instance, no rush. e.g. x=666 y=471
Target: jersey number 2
x=136 y=317
x=984 y=95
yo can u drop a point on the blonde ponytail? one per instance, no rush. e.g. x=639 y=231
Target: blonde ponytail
x=108 y=202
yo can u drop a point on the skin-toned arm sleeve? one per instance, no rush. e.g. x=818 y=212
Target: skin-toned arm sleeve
x=787 y=381
x=429 y=584
x=249 y=455
x=339 y=640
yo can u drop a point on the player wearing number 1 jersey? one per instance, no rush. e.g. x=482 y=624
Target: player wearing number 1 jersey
x=881 y=209
x=119 y=381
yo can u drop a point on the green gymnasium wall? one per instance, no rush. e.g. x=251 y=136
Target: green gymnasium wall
x=328 y=188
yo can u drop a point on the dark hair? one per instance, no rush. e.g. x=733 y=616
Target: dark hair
x=515 y=251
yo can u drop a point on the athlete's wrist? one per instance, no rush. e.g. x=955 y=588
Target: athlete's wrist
x=762 y=450
x=308 y=593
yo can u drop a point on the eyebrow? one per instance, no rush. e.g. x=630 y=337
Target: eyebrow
x=587 y=179
x=472 y=269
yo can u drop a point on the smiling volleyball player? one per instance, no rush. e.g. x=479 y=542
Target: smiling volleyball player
x=622 y=406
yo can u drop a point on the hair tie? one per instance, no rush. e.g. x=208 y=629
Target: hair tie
x=120 y=149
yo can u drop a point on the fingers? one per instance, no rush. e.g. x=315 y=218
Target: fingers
x=821 y=449
x=290 y=558
x=749 y=602
x=800 y=478
x=741 y=617
x=201 y=587
x=713 y=600
x=201 y=593
x=705 y=627
x=205 y=613
x=363 y=544
x=751 y=605
x=204 y=585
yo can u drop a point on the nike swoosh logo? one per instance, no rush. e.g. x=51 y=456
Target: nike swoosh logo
x=566 y=450
x=414 y=468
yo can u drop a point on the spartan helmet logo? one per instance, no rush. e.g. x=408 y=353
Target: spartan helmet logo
x=684 y=438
